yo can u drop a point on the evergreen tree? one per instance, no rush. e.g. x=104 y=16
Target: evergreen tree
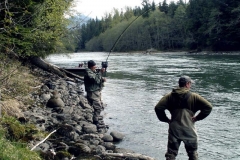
x=164 y=7
x=153 y=6
x=146 y=8
x=171 y=9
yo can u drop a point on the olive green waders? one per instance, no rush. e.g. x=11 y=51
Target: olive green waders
x=94 y=99
x=173 y=147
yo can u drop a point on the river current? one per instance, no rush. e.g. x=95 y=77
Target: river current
x=136 y=82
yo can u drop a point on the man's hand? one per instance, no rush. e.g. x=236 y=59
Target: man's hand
x=194 y=119
x=169 y=121
x=103 y=70
x=104 y=79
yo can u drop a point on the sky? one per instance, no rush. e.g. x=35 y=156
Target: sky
x=99 y=8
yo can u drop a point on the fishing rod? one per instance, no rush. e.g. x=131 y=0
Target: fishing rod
x=124 y=32
x=105 y=63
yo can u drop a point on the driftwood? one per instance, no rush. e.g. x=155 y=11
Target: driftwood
x=128 y=155
x=43 y=140
x=70 y=74
x=39 y=62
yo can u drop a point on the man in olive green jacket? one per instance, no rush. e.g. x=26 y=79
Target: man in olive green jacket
x=182 y=105
x=93 y=82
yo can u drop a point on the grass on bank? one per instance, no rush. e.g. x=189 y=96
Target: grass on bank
x=16 y=82
x=12 y=140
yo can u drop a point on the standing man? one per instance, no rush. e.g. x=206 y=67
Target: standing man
x=93 y=82
x=182 y=105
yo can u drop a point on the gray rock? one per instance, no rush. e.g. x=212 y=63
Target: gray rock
x=123 y=150
x=63 y=87
x=65 y=130
x=77 y=118
x=71 y=83
x=108 y=145
x=67 y=110
x=107 y=138
x=55 y=101
x=62 y=146
x=99 y=149
x=82 y=123
x=35 y=118
x=41 y=127
x=44 y=146
x=90 y=128
x=78 y=129
x=79 y=148
x=117 y=136
x=94 y=142
x=89 y=136
x=45 y=88
x=45 y=97
x=89 y=117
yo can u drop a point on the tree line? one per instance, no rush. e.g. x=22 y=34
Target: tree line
x=195 y=25
x=41 y=27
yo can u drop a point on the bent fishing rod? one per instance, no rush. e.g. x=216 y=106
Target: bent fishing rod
x=105 y=63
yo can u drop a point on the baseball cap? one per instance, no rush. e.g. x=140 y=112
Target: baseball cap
x=91 y=63
x=185 y=79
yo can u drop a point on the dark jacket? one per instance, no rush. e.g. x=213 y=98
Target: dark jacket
x=182 y=105
x=92 y=80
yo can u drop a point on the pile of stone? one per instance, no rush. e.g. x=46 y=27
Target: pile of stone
x=60 y=108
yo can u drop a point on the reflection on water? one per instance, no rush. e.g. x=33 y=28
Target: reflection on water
x=136 y=82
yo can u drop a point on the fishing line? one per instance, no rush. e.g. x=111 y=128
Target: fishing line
x=105 y=64
x=124 y=32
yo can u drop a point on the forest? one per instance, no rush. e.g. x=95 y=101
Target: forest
x=196 y=25
x=42 y=27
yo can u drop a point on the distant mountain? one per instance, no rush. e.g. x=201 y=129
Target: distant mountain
x=78 y=20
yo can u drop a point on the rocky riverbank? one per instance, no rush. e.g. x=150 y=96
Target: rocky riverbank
x=61 y=109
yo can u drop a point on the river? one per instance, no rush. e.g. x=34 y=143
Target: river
x=136 y=82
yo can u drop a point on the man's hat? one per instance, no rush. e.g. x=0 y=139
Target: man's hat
x=185 y=79
x=91 y=63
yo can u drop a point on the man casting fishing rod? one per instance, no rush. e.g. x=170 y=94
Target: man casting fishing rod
x=182 y=105
x=93 y=81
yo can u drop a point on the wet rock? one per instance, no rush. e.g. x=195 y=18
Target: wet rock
x=123 y=150
x=108 y=145
x=107 y=138
x=117 y=136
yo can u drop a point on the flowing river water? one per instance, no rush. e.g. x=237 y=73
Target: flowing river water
x=136 y=82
